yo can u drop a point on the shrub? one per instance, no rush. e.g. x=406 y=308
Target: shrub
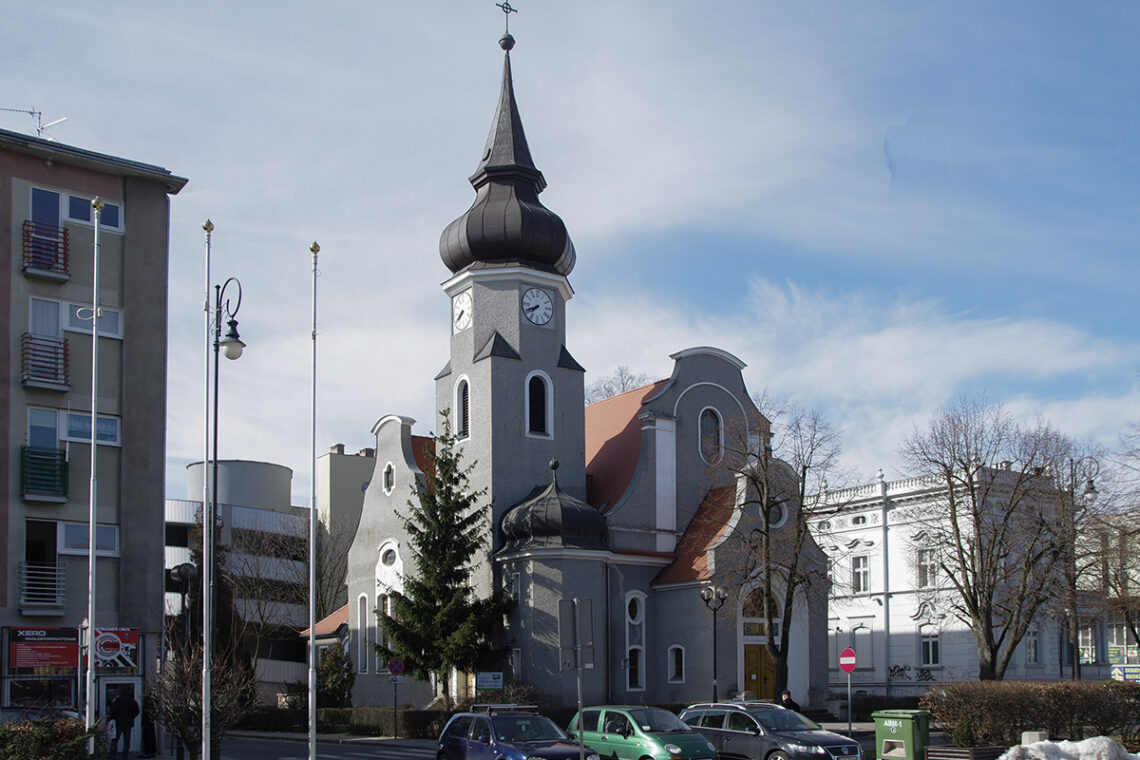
x=50 y=739
x=997 y=712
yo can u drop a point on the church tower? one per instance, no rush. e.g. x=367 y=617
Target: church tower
x=513 y=393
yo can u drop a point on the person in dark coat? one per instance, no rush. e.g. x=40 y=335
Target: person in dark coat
x=787 y=701
x=124 y=710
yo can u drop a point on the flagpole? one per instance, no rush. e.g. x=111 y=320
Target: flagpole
x=92 y=697
x=313 y=535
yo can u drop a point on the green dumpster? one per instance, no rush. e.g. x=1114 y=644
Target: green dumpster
x=901 y=734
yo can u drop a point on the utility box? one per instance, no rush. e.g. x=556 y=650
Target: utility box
x=901 y=734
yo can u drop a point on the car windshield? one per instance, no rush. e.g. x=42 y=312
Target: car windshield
x=784 y=720
x=658 y=721
x=526 y=728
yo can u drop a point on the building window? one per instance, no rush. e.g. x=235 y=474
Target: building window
x=1088 y=645
x=43 y=427
x=516 y=587
x=73 y=539
x=711 y=441
x=676 y=664
x=77 y=428
x=539 y=403
x=633 y=672
x=79 y=320
x=633 y=609
x=859 y=520
x=463 y=409
x=383 y=605
x=516 y=663
x=1032 y=653
x=389 y=478
x=929 y=648
x=927 y=568
x=362 y=636
x=860 y=574
x=79 y=210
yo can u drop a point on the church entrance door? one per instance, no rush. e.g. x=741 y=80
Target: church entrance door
x=759 y=672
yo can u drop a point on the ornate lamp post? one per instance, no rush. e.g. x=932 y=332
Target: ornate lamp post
x=714 y=598
x=231 y=345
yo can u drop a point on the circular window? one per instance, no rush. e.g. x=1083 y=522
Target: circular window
x=634 y=609
x=388 y=557
x=777 y=514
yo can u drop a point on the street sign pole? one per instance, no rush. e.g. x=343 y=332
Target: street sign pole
x=847 y=665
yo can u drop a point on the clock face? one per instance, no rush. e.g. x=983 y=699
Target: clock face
x=537 y=306
x=461 y=311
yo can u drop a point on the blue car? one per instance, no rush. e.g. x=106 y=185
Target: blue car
x=509 y=732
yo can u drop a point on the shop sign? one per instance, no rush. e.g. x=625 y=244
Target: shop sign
x=43 y=647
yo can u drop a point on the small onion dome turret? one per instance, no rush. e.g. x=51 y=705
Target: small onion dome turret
x=507 y=223
x=553 y=519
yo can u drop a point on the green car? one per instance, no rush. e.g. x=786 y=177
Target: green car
x=636 y=732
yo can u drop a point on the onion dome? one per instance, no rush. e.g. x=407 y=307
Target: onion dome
x=507 y=223
x=553 y=519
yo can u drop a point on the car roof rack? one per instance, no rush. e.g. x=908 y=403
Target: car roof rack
x=737 y=704
x=501 y=707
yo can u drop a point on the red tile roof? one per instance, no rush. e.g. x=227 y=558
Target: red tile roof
x=329 y=625
x=421 y=444
x=613 y=443
x=705 y=529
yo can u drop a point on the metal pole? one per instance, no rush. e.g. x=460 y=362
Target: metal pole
x=94 y=495
x=578 y=669
x=207 y=521
x=313 y=539
x=715 y=611
x=849 y=732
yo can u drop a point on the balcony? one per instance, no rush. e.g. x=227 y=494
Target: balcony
x=46 y=363
x=43 y=474
x=43 y=588
x=46 y=251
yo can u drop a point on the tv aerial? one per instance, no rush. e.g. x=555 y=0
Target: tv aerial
x=41 y=128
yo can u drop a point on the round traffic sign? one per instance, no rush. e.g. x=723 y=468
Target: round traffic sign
x=395 y=666
x=847 y=660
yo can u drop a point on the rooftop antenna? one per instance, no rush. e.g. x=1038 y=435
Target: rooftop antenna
x=41 y=128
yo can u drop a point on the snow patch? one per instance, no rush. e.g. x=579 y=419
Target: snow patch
x=1096 y=748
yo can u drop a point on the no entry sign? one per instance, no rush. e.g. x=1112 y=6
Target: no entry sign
x=847 y=660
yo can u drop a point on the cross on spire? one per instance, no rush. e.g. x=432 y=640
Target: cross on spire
x=507 y=11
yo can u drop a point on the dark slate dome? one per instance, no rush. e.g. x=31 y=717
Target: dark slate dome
x=553 y=519
x=507 y=223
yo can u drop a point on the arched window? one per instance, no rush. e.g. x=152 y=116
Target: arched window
x=710 y=435
x=538 y=405
x=462 y=409
x=635 y=640
x=676 y=664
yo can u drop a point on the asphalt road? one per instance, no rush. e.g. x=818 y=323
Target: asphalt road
x=243 y=748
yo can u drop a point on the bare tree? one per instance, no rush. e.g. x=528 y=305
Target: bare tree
x=997 y=524
x=779 y=481
x=620 y=381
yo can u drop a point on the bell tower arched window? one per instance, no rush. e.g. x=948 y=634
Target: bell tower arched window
x=462 y=409
x=539 y=403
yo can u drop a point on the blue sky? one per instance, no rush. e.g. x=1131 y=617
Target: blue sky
x=878 y=205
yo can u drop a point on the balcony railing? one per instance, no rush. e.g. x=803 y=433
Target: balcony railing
x=46 y=248
x=46 y=361
x=43 y=472
x=42 y=585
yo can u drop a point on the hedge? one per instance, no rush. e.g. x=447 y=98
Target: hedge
x=50 y=739
x=997 y=712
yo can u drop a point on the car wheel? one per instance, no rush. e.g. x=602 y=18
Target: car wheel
x=777 y=755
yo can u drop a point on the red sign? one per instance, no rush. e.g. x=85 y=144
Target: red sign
x=115 y=648
x=43 y=648
x=847 y=660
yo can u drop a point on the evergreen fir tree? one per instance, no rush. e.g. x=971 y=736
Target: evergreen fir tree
x=438 y=624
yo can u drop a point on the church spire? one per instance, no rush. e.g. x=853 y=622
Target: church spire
x=507 y=223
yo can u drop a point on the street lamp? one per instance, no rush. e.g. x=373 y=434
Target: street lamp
x=714 y=599
x=231 y=345
x=1091 y=468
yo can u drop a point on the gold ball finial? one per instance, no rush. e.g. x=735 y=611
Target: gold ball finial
x=314 y=247
x=97 y=203
x=208 y=226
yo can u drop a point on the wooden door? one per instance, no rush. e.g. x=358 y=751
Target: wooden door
x=759 y=672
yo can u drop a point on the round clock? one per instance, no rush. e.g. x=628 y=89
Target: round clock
x=537 y=306
x=461 y=311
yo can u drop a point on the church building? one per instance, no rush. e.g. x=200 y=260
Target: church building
x=626 y=503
